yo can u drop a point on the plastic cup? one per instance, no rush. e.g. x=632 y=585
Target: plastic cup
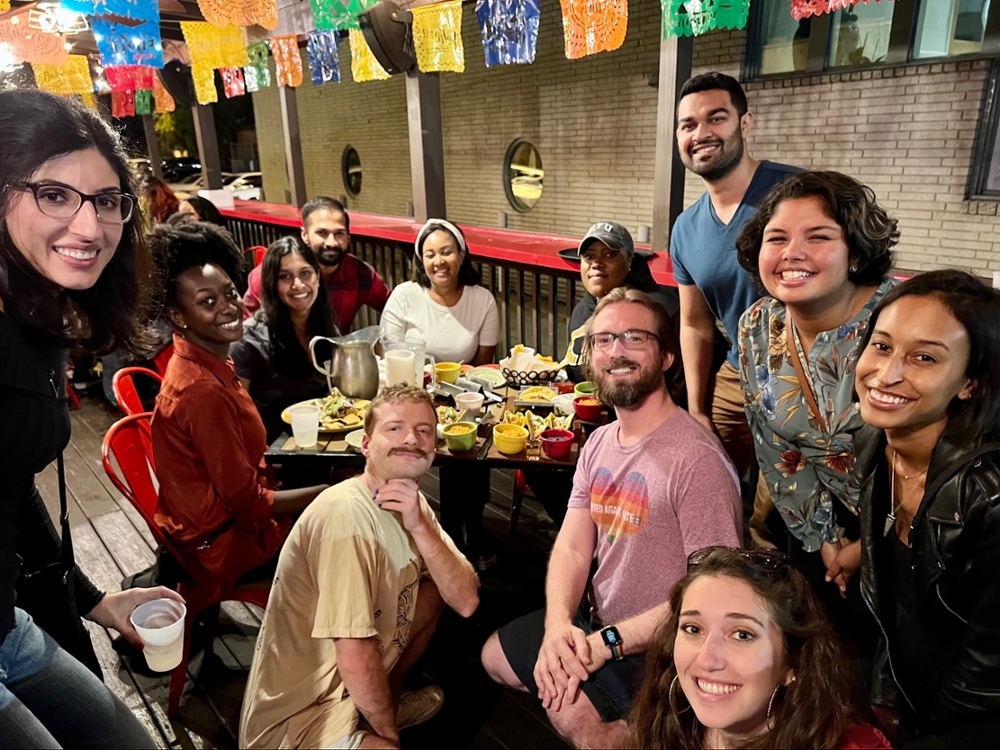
x=160 y=625
x=399 y=367
x=470 y=402
x=305 y=425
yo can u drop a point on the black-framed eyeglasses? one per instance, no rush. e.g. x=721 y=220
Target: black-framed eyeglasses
x=63 y=202
x=634 y=338
x=769 y=560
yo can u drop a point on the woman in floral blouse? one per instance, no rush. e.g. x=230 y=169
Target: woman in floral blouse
x=821 y=247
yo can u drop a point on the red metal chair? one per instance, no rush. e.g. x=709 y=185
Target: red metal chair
x=124 y=388
x=258 y=254
x=516 y=498
x=135 y=477
x=160 y=360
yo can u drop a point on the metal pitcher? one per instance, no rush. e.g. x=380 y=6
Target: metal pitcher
x=352 y=368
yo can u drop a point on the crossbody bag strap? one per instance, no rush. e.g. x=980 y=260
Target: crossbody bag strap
x=804 y=383
x=66 y=556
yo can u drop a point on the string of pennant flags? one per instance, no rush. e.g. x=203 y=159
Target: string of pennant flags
x=130 y=54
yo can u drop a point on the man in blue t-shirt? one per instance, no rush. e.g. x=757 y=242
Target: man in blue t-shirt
x=713 y=122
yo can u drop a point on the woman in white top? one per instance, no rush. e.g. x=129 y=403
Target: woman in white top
x=444 y=304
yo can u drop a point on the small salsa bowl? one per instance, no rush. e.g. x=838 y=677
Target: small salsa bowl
x=557 y=443
x=587 y=408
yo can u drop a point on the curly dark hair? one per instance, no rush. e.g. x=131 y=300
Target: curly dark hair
x=467 y=273
x=39 y=127
x=977 y=307
x=817 y=710
x=189 y=244
x=870 y=232
x=274 y=311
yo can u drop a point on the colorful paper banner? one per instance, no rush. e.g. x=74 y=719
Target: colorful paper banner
x=137 y=10
x=806 y=8
x=232 y=82
x=4 y=6
x=240 y=12
x=334 y=15
x=509 y=29
x=71 y=78
x=122 y=103
x=123 y=78
x=162 y=99
x=287 y=60
x=695 y=17
x=364 y=66
x=324 y=64
x=592 y=26
x=437 y=37
x=214 y=46
x=28 y=45
x=143 y=102
x=119 y=44
x=257 y=75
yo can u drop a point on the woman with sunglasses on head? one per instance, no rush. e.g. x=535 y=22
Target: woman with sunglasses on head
x=218 y=501
x=820 y=246
x=272 y=359
x=928 y=381
x=747 y=659
x=72 y=261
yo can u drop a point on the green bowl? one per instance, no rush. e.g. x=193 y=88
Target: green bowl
x=586 y=388
x=463 y=442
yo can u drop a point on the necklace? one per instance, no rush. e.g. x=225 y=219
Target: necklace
x=890 y=519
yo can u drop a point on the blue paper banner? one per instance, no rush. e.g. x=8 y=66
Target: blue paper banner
x=509 y=29
x=138 y=10
x=128 y=45
x=324 y=65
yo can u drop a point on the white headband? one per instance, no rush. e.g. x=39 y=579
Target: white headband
x=434 y=224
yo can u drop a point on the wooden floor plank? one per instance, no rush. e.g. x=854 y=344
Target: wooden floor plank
x=91 y=495
x=126 y=546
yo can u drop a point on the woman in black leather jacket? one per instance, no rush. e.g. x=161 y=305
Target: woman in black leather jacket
x=71 y=252
x=928 y=460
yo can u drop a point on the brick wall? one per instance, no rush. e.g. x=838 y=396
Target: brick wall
x=907 y=132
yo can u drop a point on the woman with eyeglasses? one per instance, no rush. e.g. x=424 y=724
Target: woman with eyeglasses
x=821 y=247
x=747 y=659
x=272 y=359
x=928 y=382
x=72 y=264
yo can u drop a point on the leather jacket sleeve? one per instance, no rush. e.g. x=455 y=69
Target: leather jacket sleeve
x=883 y=687
x=969 y=685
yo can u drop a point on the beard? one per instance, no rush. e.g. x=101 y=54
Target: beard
x=624 y=395
x=729 y=156
x=329 y=256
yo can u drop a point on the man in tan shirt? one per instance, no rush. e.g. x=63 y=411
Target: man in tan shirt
x=361 y=582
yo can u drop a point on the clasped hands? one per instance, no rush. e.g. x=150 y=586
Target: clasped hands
x=842 y=560
x=568 y=656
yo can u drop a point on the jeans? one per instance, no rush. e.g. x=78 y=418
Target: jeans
x=49 y=700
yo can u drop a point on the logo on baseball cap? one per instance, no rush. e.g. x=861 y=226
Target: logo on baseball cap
x=611 y=234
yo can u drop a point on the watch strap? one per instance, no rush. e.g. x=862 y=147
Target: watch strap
x=614 y=644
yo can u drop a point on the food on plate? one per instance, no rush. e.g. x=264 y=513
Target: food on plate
x=337 y=412
x=449 y=415
x=538 y=394
x=536 y=424
x=459 y=429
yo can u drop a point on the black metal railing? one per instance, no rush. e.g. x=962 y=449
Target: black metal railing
x=534 y=305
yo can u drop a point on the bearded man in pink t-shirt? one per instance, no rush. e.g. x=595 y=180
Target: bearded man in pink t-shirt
x=649 y=489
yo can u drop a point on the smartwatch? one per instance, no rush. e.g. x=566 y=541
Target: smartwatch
x=613 y=641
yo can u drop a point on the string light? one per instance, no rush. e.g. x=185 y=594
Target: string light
x=53 y=18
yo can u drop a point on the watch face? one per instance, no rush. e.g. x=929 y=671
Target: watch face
x=611 y=637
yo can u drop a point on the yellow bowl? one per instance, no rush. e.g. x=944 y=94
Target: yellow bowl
x=448 y=372
x=510 y=439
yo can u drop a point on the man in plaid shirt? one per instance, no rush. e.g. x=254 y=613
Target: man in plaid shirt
x=351 y=282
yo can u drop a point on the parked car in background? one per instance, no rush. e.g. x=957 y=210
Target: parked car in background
x=177 y=170
x=246 y=186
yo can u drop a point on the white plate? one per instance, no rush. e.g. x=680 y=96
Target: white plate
x=488 y=374
x=353 y=439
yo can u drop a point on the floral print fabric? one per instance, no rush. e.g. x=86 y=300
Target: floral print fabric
x=806 y=465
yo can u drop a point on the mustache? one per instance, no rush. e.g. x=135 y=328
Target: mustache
x=415 y=451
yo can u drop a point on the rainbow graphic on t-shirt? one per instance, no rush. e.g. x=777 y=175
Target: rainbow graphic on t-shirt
x=618 y=510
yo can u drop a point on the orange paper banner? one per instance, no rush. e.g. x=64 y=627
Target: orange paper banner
x=240 y=12
x=592 y=26
x=287 y=60
x=162 y=99
x=32 y=45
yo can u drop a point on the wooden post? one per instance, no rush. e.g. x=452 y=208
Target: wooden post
x=152 y=146
x=293 y=145
x=423 y=106
x=668 y=176
x=208 y=145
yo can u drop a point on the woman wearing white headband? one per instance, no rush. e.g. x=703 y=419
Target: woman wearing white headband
x=444 y=304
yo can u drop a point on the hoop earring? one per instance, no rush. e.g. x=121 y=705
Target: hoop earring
x=770 y=704
x=854 y=266
x=670 y=697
